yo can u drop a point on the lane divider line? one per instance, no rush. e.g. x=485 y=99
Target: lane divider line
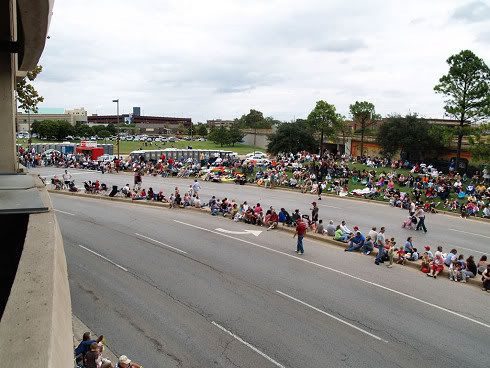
x=467 y=232
x=343 y=274
x=66 y=213
x=104 y=258
x=331 y=316
x=248 y=345
x=159 y=242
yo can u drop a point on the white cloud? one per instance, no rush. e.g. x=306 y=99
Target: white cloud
x=220 y=58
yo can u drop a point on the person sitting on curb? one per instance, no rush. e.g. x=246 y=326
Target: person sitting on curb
x=437 y=263
x=356 y=242
x=368 y=247
x=339 y=235
x=84 y=345
x=330 y=228
x=345 y=229
x=425 y=265
x=272 y=220
x=486 y=279
x=320 y=229
x=125 y=362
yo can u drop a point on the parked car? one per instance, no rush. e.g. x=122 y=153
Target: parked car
x=172 y=139
x=106 y=158
x=258 y=159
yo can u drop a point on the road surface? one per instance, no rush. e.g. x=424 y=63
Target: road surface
x=468 y=236
x=169 y=290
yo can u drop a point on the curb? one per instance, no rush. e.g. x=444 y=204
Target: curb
x=443 y=212
x=412 y=264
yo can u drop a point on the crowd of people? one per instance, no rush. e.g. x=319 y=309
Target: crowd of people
x=459 y=268
x=308 y=173
x=88 y=354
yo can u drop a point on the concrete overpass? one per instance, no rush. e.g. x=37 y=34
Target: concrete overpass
x=35 y=307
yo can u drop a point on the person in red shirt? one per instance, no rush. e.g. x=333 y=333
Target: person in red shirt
x=300 y=232
x=272 y=220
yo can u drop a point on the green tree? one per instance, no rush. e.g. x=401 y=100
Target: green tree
x=363 y=113
x=104 y=133
x=235 y=134
x=325 y=119
x=480 y=143
x=83 y=130
x=219 y=136
x=111 y=128
x=414 y=138
x=466 y=87
x=292 y=137
x=27 y=96
x=255 y=120
x=201 y=130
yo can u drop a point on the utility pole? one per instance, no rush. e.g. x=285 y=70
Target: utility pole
x=117 y=139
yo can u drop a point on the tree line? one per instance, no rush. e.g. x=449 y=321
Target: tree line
x=465 y=87
x=60 y=129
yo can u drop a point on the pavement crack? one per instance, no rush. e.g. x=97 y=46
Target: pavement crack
x=225 y=356
x=155 y=342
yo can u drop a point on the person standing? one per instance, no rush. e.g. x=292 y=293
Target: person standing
x=67 y=178
x=300 y=233
x=380 y=244
x=314 y=213
x=196 y=187
x=420 y=214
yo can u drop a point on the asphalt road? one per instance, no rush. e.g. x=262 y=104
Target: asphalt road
x=169 y=290
x=468 y=236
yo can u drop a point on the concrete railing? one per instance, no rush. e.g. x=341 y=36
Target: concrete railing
x=36 y=329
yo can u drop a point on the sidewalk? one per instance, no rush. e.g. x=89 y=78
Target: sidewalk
x=79 y=329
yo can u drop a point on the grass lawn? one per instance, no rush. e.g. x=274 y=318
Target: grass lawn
x=128 y=146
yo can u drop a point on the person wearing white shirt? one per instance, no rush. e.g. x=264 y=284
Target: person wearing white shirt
x=344 y=228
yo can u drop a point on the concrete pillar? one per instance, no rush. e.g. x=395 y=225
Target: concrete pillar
x=8 y=32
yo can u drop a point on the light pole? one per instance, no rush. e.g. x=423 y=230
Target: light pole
x=117 y=139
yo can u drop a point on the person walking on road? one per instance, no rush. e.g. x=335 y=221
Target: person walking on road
x=300 y=232
x=196 y=187
x=420 y=214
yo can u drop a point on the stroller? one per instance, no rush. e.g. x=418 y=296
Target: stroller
x=409 y=223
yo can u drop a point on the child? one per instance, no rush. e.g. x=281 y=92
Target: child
x=425 y=266
x=401 y=256
x=391 y=251
x=414 y=256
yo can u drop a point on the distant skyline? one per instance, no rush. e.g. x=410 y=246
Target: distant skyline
x=218 y=59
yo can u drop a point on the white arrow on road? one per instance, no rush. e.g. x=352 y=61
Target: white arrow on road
x=255 y=232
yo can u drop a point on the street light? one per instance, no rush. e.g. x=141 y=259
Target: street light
x=117 y=139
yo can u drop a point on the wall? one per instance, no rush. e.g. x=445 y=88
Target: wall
x=35 y=329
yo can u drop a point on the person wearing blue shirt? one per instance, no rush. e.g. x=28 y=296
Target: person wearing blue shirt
x=408 y=245
x=356 y=242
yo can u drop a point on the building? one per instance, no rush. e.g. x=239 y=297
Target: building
x=35 y=304
x=355 y=126
x=136 y=111
x=216 y=123
x=145 y=124
x=73 y=116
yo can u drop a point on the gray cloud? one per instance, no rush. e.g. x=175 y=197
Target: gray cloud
x=483 y=37
x=341 y=45
x=475 y=11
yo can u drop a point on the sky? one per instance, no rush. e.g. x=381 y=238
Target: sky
x=220 y=58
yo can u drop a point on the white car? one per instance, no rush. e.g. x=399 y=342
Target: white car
x=106 y=158
x=258 y=160
x=256 y=154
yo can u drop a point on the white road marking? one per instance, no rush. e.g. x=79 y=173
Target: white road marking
x=467 y=232
x=344 y=274
x=326 y=205
x=159 y=242
x=244 y=232
x=331 y=316
x=473 y=250
x=66 y=213
x=249 y=345
x=105 y=258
